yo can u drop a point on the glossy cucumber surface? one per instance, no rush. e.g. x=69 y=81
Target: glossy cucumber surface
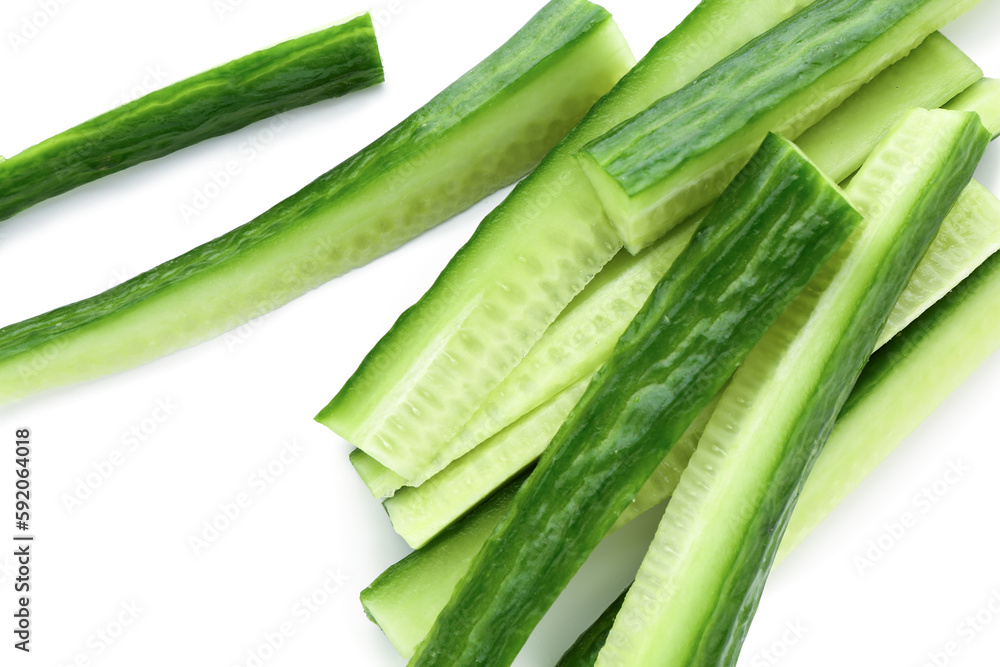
x=482 y=132
x=324 y=64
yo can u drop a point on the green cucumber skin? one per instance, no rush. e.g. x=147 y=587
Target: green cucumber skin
x=371 y=203
x=680 y=152
x=860 y=440
x=932 y=74
x=415 y=577
x=766 y=237
x=582 y=242
x=902 y=384
x=860 y=300
x=318 y=66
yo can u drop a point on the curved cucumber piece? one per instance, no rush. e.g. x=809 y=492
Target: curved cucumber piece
x=482 y=132
x=581 y=338
x=675 y=157
x=527 y=260
x=315 y=67
x=699 y=584
x=584 y=651
x=761 y=243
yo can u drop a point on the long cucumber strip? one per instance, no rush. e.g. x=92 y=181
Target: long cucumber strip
x=967 y=237
x=586 y=648
x=482 y=132
x=327 y=63
x=668 y=162
x=896 y=378
x=525 y=262
x=761 y=243
x=971 y=231
x=581 y=338
x=700 y=582
x=899 y=388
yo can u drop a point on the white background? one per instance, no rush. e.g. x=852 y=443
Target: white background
x=235 y=400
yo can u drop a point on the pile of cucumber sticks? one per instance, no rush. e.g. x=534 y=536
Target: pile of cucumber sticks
x=735 y=275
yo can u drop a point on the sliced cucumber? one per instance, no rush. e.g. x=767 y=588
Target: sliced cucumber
x=419 y=513
x=668 y=162
x=761 y=243
x=315 y=67
x=584 y=651
x=526 y=261
x=984 y=99
x=891 y=383
x=699 y=584
x=581 y=338
x=417 y=580
x=901 y=386
x=482 y=132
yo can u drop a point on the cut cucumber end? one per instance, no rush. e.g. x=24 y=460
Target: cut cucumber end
x=982 y=97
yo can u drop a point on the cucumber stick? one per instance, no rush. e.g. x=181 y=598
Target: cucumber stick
x=896 y=379
x=525 y=262
x=967 y=237
x=761 y=243
x=899 y=387
x=580 y=340
x=315 y=67
x=482 y=132
x=699 y=584
x=668 y=162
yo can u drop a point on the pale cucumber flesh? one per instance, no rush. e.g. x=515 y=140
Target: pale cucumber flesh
x=580 y=340
x=699 y=584
x=484 y=131
x=551 y=235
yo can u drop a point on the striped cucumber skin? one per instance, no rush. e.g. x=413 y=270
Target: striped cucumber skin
x=675 y=157
x=867 y=429
x=984 y=99
x=482 y=132
x=763 y=241
x=900 y=387
x=324 y=64
x=581 y=338
x=421 y=577
x=419 y=513
x=699 y=584
x=969 y=234
x=526 y=261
